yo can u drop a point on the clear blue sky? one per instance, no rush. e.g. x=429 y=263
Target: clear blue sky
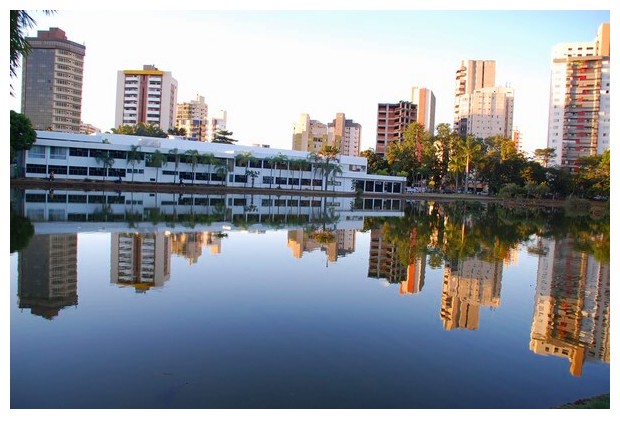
x=266 y=67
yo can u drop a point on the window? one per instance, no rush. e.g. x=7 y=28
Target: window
x=58 y=152
x=36 y=152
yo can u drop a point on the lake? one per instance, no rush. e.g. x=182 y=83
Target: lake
x=144 y=300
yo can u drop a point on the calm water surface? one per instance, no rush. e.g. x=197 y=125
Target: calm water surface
x=166 y=301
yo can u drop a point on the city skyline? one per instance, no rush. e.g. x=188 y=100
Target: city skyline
x=274 y=62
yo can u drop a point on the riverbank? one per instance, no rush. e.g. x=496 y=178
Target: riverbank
x=127 y=186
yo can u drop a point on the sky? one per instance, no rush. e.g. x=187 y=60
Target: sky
x=266 y=67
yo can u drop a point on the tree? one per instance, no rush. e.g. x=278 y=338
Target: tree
x=544 y=155
x=157 y=159
x=134 y=156
x=221 y=169
x=193 y=156
x=141 y=129
x=104 y=158
x=280 y=161
x=207 y=159
x=244 y=159
x=223 y=136
x=176 y=156
x=471 y=150
x=375 y=161
x=20 y=22
x=23 y=135
x=177 y=132
x=328 y=154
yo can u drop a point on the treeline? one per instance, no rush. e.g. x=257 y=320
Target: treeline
x=449 y=162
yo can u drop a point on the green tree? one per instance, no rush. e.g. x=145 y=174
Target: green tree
x=23 y=135
x=104 y=158
x=176 y=156
x=223 y=136
x=157 y=159
x=134 y=156
x=193 y=157
x=471 y=151
x=375 y=161
x=21 y=21
x=328 y=154
x=245 y=159
x=221 y=169
x=208 y=159
x=280 y=162
x=141 y=129
x=544 y=155
x=177 y=132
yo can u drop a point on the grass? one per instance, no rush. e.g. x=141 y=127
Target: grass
x=599 y=402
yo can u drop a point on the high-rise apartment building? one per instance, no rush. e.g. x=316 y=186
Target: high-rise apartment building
x=392 y=121
x=146 y=96
x=214 y=123
x=486 y=112
x=347 y=135
x=579 y=99
x=425 y=100
x=310 y=135
x=52 y=82
x=192 y=116
x=481 y=108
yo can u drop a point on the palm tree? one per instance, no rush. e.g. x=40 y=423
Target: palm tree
x=335 y=170
x=207 y=159
x=301 y=164
x=157 y=159
x=279 y=160
x=253 y=174
x=177 y=159
x=269 y=160
x=470 y=149
x=193 y=156
x=221 y=169
x=104 y=158
x=314 y=161
x=245 y=158
x=326 y=154
x=134 y=156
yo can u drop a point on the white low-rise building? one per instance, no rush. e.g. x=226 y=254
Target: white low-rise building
x=163 y=160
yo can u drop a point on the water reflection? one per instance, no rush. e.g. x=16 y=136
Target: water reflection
x=572 y=304
x=472 y=243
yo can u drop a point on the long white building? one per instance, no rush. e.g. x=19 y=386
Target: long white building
x=83 y=157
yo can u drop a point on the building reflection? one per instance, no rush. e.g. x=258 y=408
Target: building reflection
x=571 y=308
x=47 y=280
x=468 y=285
x=336 y=243
x=384 y=263
x=140 y=260
x=190 y=244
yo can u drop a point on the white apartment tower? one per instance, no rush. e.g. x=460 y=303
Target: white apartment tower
x=487 y=112
x=425 y=100
x=579 y=99
x=214 y=123
x=146 y=96
x=192 y=116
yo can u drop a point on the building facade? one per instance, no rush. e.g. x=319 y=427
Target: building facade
x=79 y=157
x=486 y=112
x=192 y=116
x=214 y=123
x=310 y=135
x=424 y=99
x=146 y=96
x=481 y=108
x=392 y=121
x=52 y=76
x=579 y=105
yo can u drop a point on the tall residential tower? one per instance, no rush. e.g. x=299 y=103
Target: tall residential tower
x=579 y=99
x=425 y=100
x=146 y=96
x=52 y=82
x=481 y=108
x=392 y=121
